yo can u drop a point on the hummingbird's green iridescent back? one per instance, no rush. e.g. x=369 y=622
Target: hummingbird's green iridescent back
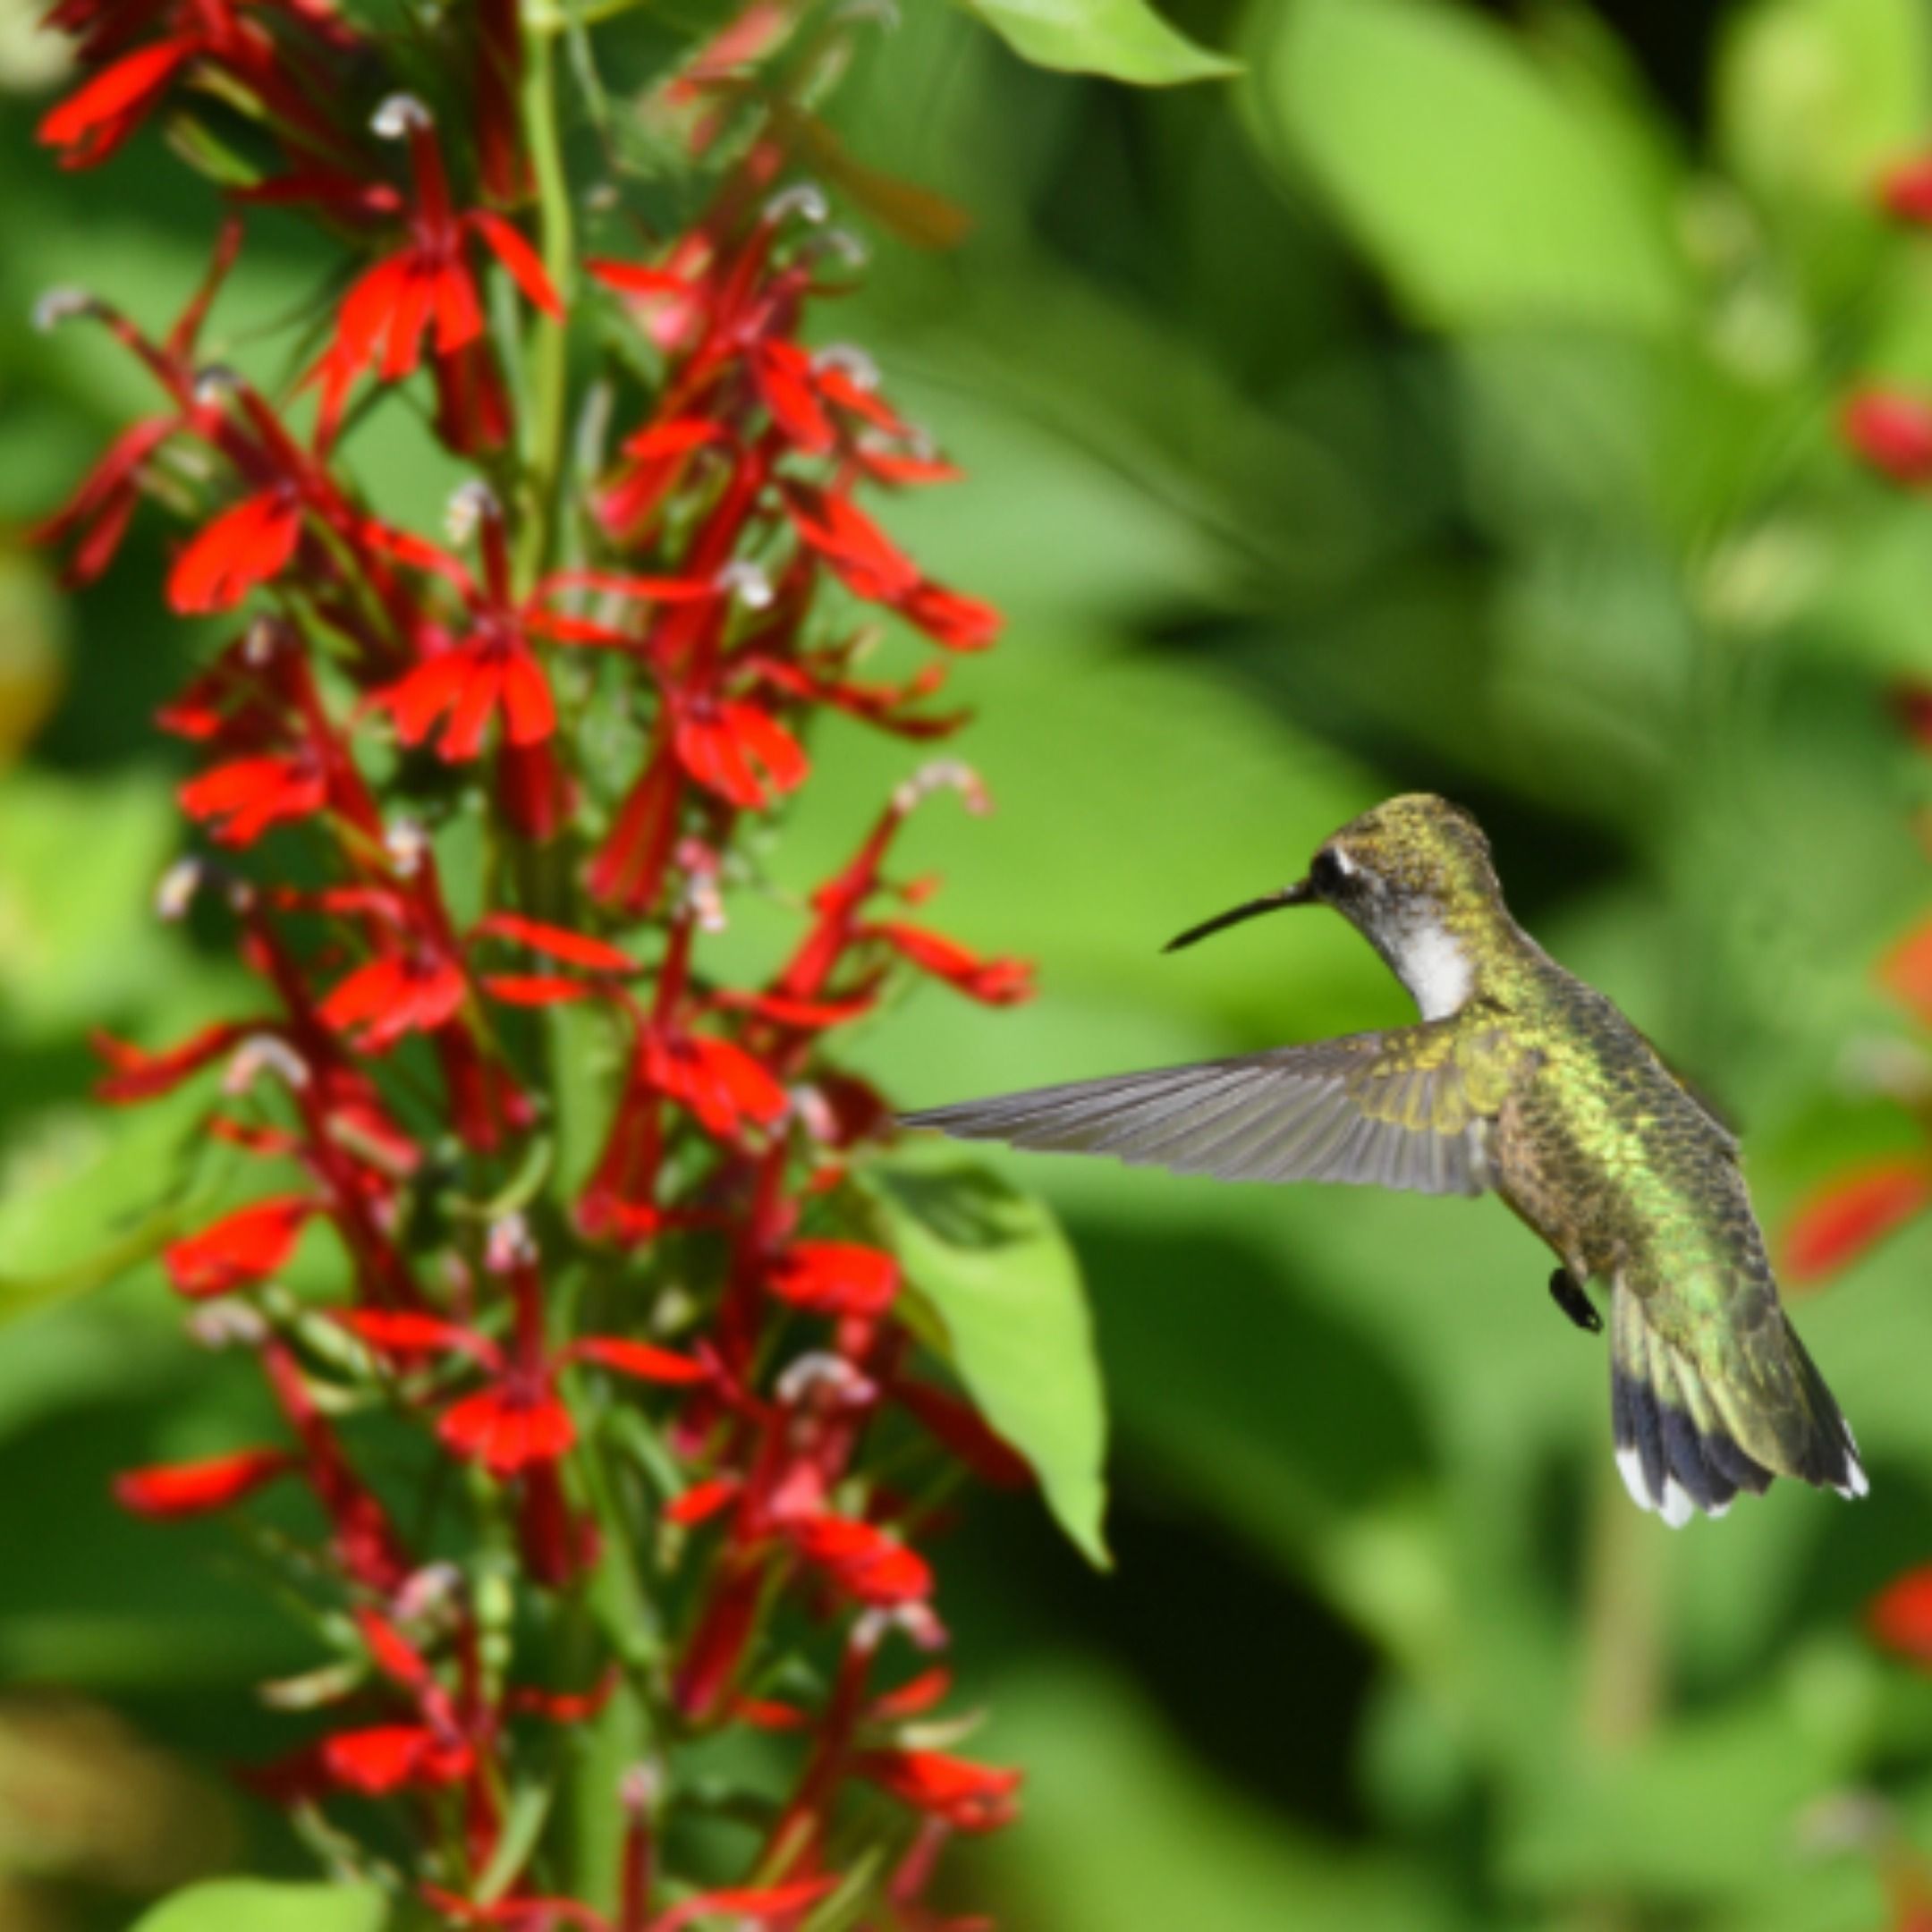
x=1523 y=1080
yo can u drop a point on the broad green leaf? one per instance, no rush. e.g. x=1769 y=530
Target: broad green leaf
x=1124 y=39
x=1486 y=192
x=1813 y=96
x=998 y=1273
x=253 y=1905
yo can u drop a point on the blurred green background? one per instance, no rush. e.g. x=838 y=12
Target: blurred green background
x=1444 y=403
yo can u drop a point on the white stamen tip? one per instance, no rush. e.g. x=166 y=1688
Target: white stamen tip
x=849 y=247
x=851 y=361
x=408 y=845
x=805 y=200
x=223 y=1325
x=510 y=1244
x=264 y=1053
x=943 y=774
x=428 y=1591
x=398 y=116
x=58 y=305
x=466 y=507
x=820 y=1370
x=259 y=642
x=748 y=582
x=178 y=886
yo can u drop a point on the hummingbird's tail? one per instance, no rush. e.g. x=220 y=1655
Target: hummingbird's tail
x=1699 y=1416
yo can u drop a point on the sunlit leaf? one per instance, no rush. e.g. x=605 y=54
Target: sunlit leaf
x=1006 y=1288
x=1484 y=191
x=250 y=1906
x=1124 y=40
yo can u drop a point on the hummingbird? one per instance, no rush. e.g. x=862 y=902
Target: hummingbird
x=1518 y=1080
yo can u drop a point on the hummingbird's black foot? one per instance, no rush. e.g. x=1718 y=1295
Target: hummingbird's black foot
x=1568 y=1294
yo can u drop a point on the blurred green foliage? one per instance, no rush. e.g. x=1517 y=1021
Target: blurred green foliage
x=1444 y=402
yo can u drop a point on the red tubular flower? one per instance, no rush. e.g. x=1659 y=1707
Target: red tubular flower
x=91 y=122
x=243 y=547
x=173 y=1489
x=865 y=1562
x=241 y=1249
x=1906 y=192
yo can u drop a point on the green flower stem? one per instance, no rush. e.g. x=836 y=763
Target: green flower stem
x=549 y=363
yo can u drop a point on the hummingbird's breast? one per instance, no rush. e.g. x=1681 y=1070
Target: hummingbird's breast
x=1606 y=1155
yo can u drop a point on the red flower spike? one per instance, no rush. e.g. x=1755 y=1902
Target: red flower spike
x=1839 y=1222
x=1892 y=432
x=722 y=1084
x=244 y=547
x=241 y=1249
x=837 y=1278
x=174 y=1489
x=1900 y=1616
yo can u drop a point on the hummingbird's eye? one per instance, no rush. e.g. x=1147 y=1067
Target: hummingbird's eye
x=1325 y=874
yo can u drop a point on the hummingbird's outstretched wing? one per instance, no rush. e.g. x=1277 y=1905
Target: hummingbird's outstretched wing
x=1408 y=1108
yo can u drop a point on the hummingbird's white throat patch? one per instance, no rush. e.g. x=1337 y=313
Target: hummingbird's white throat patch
x=1434 y=965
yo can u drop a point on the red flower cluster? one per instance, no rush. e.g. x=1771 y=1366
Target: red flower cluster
x=643 y=1333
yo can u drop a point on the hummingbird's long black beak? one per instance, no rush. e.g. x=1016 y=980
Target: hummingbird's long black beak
x=1302 y=893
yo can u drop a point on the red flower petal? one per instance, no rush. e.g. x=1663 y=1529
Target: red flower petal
x=835 y=1278
x=740 y=753
x=518 y=258
x=535 y=989
x=866 y=1562
x=1837 y=1223
x=971 y=1797
x=242 y=799
x=557 y=943
x=243 y=547
x=632 y=278
x=722 y=1084
x=134 y=1074
x=402 y=1331
x=1906 y=970
x=508 y=1430
x=997 y=982
x=643 y=1359
x=703 y=1500
x=239 y=1249
x=947 y=617
x=784 y=374
x=193 y=1488
x=389 y=1757
x=864 y=559
x=92 y=122
x=656 y=442
x=389 y=997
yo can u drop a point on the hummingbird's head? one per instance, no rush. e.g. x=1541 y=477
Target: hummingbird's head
x=1414 y=876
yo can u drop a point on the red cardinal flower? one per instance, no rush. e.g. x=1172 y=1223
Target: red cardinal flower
x=864 y=1561
x=427 y=292
x=1901 y=1616
x=246 y=546
x=241 y=1249
x=835 y=1278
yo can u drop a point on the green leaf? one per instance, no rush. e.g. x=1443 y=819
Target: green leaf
x=1124 y=39
x=1486 y=191
x=252 y=1905
x=1005 y=1287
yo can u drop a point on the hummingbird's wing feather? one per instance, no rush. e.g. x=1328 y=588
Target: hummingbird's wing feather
x=1406 y=1109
